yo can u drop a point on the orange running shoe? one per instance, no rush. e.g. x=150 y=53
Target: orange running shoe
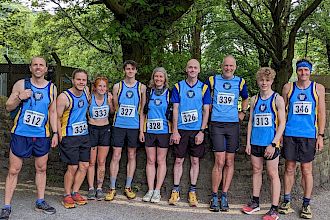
x=78 y=199
x=68 y=202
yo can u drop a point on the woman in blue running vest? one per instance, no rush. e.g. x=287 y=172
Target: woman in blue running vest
x=157 y=132
x=99 y=134
x=265 y=128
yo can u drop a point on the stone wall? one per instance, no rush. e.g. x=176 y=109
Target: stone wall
x=241 y=187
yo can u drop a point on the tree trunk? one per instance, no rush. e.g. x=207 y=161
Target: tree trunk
x=283 y=74
x=196 y=37
x=328 y=50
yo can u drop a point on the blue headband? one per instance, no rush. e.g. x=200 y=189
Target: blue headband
x=304 y=64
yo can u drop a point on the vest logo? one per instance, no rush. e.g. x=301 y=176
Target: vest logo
x=38 y=96
x=158 y=102
x=227 y=85
x=129 y=94
x=190 y=94
x=302 y=97
x=262 y=107
x=81 y=103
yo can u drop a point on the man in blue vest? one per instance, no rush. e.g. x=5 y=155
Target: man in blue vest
x=30 y=135
x=304 y=133
x=224 y=127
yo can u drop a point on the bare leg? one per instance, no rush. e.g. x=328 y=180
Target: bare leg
x=272 y=170
x=161 y=169
x=69 y=178
x=228 y=171
x=151 y=166
x=80 y=176
x=91 y=168
x=101 y=159
x=219 y=162
x=41 y=168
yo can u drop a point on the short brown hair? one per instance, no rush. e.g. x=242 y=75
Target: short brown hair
x=78 y=71
x=132 y=62
x=267 y=72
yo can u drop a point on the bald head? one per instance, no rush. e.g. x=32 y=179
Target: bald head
x=193 y=62
x=228 y=66
x=193 y=68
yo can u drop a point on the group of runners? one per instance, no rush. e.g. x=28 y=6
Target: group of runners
x=158 y=116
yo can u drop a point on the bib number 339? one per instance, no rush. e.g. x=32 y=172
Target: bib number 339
x=127 y=111
x=33 y=118
x=79 y=128
x=189 y=116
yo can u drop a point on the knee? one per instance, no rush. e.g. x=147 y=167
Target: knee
x=178 y=162
x=72 y=169
x=100 y=163
x=273 y=174
x=229 y=163
x=92 y=164
x=161 y=161
x=116 y=157
x=306 y=171
x=83 y=166
x=194 y=162
x=257 y=170
x=290 y=170
x=219 y=163
x=41 y=169
x=14 y=171
x=151 y=161
x=131 y=155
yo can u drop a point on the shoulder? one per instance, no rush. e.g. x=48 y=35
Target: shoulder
x=320 y=88
x=287 y=87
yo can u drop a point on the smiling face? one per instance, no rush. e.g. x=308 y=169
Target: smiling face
x=130 y=71
x=38 y=67
x=265 y=83
x=193 y=68
x=80 y=81
x=101 y=87
x=228 y=66
x=159 y=79
x=303 y=73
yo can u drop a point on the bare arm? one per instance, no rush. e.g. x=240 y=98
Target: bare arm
x=285 y=91
x=53 y=118
x=280 y=105
x=321 y=118
x=14 y=99
x=142 y=115
x=245 y=103
x=62 y=103
x=115 y=96
x=249 y=127
x=175 y=117
x=110 y=102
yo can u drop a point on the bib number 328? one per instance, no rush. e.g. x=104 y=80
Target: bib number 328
x=155 y=124
x=33 y=118
x=189 y=116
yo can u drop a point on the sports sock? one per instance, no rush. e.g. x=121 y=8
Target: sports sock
x=192 y=188
x=39 y=201
x=113 y=182
x=306 y=201
x=128 y=182
x=256 y=199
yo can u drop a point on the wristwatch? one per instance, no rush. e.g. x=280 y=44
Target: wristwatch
x=322 y=135
x=244 y=111
x=202 y=130
x=274 y=145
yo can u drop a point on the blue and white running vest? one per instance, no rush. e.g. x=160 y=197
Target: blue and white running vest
x=127 y=114
x=156 y=121
x=264 y=121
x=74 y=119
x=99 y=112
x=225 y=98
x=302 y=112
x=32 y=119
x=190 y=115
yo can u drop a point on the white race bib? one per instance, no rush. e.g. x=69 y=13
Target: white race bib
x=79 y=128
x=263 y=120
x=302 y=108
x=33 y=118
x=155 y=124
x=127 y=111
x=189 y=116
x=100 y=112
x=225 y=98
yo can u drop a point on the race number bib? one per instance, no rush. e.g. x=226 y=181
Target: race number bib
x=189 y=116
x=225 y=98
x=127 y=111
x=263 y=120
x=302 y=108
x=33 y=118
x=155 y=124
x=100 y=112
x=79 y=128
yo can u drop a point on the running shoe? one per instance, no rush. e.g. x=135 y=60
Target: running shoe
x=45 y=208
x=224 y=207
x=110 y=195
x=192 y=199
x=175 y=197
x=285 y=208
x=68 y=202
x=99 y=195
x=128 y=192
x=306 y=212
x=214 y=204
x=156 y=197
x=91 y=194
x=5 y=213
x=78 y=199
x=272 y=214
x=147 y=197
x=251 y=207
